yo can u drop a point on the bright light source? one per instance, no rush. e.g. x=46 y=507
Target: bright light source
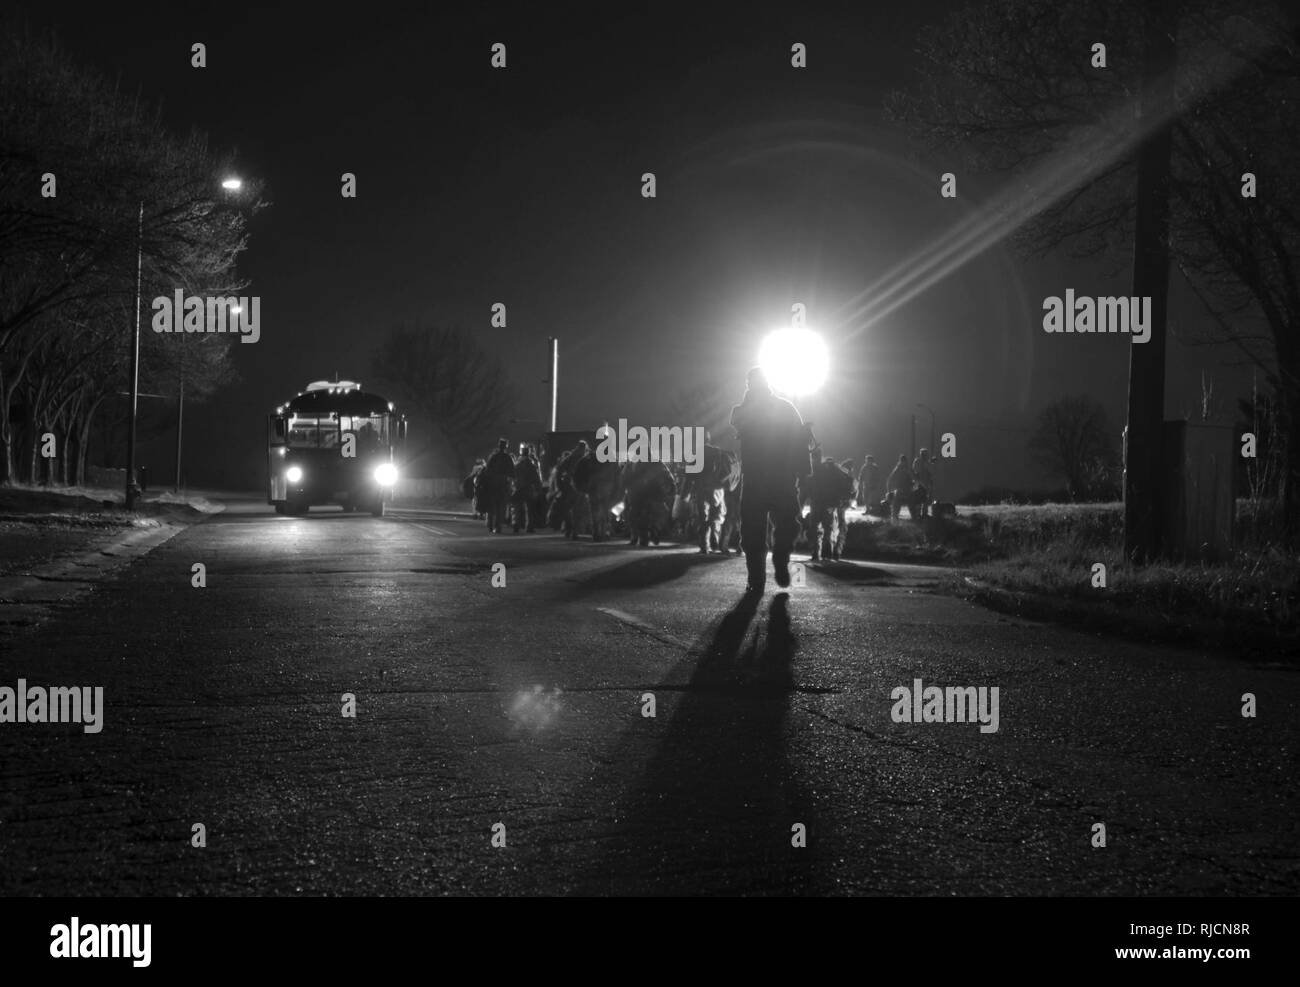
x=794 y=360
x=232 y=184
x=386 y=474
x=293 y=474
x=235 y=309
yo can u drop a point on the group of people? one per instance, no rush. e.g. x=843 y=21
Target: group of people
x=581 y=493
x=762 y=492
x=906 y=486
x=832 y=488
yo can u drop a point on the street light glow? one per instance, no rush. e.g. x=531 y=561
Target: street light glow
x=232 y=184
x=795 y=360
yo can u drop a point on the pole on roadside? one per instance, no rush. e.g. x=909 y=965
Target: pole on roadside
x=1143 y=511
x=555 y=381
x=180 y=421
x=132 y=491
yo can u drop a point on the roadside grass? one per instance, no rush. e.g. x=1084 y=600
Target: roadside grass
x=37 y=499
x=1039 y=559
x=41 y=525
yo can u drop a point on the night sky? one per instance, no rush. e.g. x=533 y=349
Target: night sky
x=475 y=185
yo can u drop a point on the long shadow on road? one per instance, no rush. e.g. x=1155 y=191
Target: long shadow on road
x=714 y=811
x=658 y=566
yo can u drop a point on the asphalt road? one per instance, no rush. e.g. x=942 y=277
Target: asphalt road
x=523 y=705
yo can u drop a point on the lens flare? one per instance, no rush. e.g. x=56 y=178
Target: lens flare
x=795 y=360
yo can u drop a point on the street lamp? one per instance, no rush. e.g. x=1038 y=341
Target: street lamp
x=231 y=184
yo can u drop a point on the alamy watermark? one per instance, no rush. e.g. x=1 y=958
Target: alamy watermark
x=102 y=941
x=1108 y=314
x=951 y=704
x=657 y=444
x=218 y=314
x=57 y=704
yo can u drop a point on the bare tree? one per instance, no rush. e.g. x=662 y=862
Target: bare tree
x=449 y=380
x=1013 y=86
x=1073 y=441
x=88 y=179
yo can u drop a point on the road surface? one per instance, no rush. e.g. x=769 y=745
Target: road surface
x=515 y=714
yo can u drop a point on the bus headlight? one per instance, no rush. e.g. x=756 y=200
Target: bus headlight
x=293 y=474
x=386 y=474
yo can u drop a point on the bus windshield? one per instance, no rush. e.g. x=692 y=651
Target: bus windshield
x=309 y=432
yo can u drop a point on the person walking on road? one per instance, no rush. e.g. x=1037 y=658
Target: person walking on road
x=774 y=456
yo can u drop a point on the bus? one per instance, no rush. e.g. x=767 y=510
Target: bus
x=333 y=444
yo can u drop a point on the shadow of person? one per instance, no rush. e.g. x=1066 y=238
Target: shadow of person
x=718 y=659
x=776 y=659
x=713 y=809
x=640 y=573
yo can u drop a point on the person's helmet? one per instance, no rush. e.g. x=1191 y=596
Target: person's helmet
x=756 y=379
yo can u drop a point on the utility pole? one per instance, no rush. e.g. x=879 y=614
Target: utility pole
x=180 y=420
x=1143 y=516
x=131 y=489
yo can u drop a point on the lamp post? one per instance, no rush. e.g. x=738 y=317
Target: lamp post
x=132 y=490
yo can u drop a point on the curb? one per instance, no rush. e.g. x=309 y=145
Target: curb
x=1181 y=630
x=28 y=599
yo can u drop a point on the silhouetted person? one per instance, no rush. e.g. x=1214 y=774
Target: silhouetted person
x=899 y=487
x=497 y=478
x=707 y=491
x=650 y=488
x=924 y=481
x=870 y=490
x=470 y=488
x=774 y=444
x=831 y=488
x=528 y=487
